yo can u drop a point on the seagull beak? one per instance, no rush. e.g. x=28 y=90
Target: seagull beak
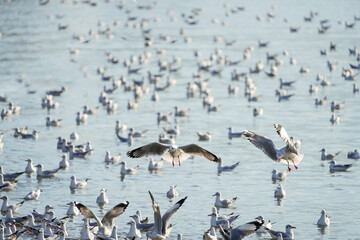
x=210 y=215
x=129 y=223
x=293 y=227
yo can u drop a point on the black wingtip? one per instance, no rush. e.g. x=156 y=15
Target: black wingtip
x=182 y=201
x=130 y=154
x=79 y=205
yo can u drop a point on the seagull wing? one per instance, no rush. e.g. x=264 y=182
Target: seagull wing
x=285 y=137
x=87 y=213
x=166 y=217
x=196 y=150
x=108 y=219
x=154 y=148
x=157 y=216
x=263 y=143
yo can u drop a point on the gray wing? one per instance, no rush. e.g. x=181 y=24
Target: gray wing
x=165 y=219
x=263 y=143
x=154 y=148
x=85 y=211
x=225 y=233
x=285 y=137
x=108 y=219
x=157 y=216
x=196 y=150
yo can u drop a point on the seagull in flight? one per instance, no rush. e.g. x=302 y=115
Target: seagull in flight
x=172 y=153
x=287 y=154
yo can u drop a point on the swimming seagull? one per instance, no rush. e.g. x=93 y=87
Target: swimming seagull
x=225 y=223
x=107 y=222
x=330 y=156
x=338 y=168
x=241 y=231
x=324 y=220
x=127 y=171
x=172 y=153
x=288 y=234
x=284 y=155
x=155 y=165
x=161 y=229
x=354 y=155
x=5 y=185
x=5 y=206
x=223 y=203
x=279 y=191
x=46 y=173
x=33 y=195
x=232 y=134
x=172 y=193
x=102 y=198
x=30 y=168
x=74 y=184
x=278 y=175
x=72 y=210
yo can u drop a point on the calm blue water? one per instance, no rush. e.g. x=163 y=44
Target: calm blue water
x=32 y=45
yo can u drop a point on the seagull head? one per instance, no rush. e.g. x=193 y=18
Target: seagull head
x=289 y=226
x=217 y=194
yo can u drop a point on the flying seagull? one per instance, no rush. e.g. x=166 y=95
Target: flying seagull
x=172 y=153
x=287 y=154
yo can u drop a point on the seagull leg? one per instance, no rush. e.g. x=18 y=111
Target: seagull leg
x=173 y=162
x=294 y=164
x=288 y=165
x=179 y=161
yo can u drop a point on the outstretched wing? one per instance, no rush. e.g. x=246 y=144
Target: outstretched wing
x=157 y=216
x=85 y=211
x=113 y=213
x=263 y=143
x=166 y=217
x=196 y=150
x=285 y=137
x=154 y=148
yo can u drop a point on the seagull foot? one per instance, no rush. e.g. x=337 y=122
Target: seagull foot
x=289 y=169
x=295 y=167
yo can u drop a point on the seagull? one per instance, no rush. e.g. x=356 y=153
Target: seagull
x=204 y=136
x=119 y=128
x=287 y=235
x=74 y=136
x=222 y=168
x=77 y=184
x=324 y=220
x=210 y=234
x=161 y=229
x=241 y=231
x=33 y=135
x=5 y=206
x=10 y=176
x=53 y=123
x=113 y=159
x=107 y=222
x=30 y=168
x=113 y=235
x=133 y=232
x=223 y=203
x=173 y=131
x=225 y=223
x=337 y=106
x=338 y=168
x=172 y=153
x=33 y=195
x=262 y=229
x=102 y=198
x=64 y=163
x=143 y=227
x=72 y=210
x=181 y=113
x=232 y=134
x=5 y=185
x=224 y=217
x=354 y=155
x=155 y=165
x=172 y=193
x=39 y=217
x=285 y=154
x=334 y=119
x=330 y=156
x=46 y=173
x=127 y=171
x=278 y=175
x=279 y=191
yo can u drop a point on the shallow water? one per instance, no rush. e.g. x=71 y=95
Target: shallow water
x=32 y=45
